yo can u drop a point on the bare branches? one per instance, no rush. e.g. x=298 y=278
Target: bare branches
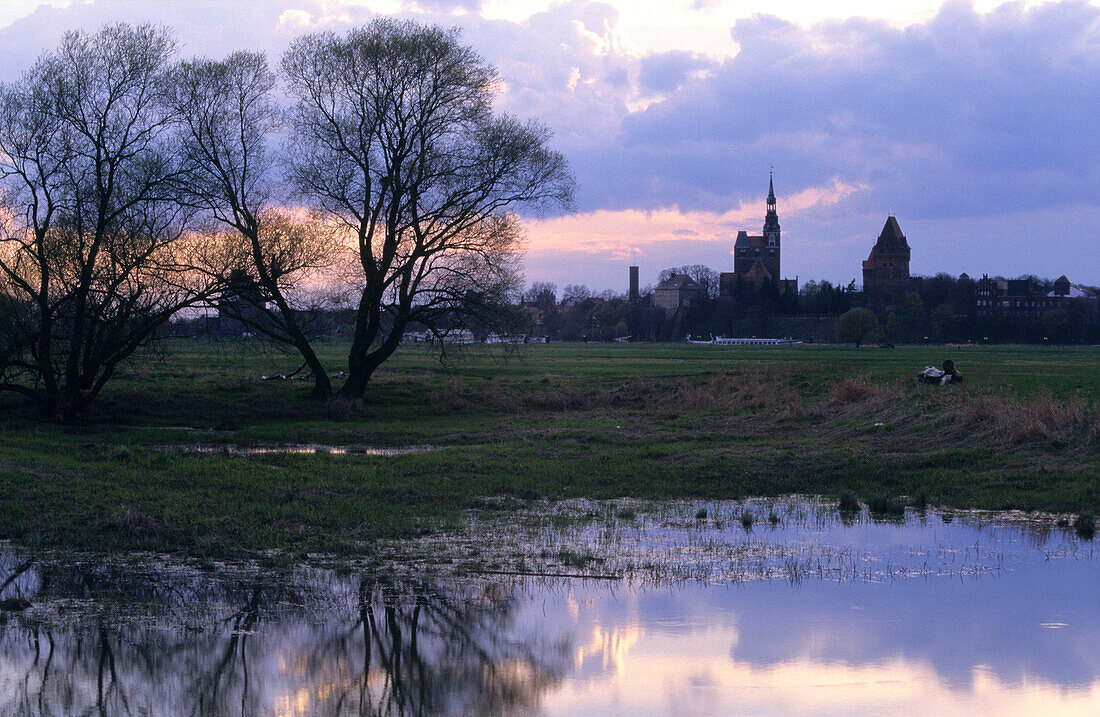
x=93 y=244
x=227 y=113
x=394 y=139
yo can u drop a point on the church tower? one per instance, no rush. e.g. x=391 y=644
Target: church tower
x=771 y=232
x=756 y=258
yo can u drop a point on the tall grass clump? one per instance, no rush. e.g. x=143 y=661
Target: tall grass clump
x=880 y=504
x=1038 y=419
x=1085 y=525
x=747 y=519
x=862 y=390
x=848 y=502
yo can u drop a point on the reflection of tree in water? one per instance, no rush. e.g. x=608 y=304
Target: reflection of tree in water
x=309 y=644
x=434 y=654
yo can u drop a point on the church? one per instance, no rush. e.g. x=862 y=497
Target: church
x=756 y=258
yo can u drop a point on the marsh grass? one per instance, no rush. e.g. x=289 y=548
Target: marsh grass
x=1040 y=418
x=848 y=503
x=1085 y=525
x=886 y=506
x=600 y=422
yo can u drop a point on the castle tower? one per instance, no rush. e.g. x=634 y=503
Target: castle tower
x=886 y=270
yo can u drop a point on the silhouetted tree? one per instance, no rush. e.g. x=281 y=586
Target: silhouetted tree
x=393 y=138
x=94 y=243
x=227 y=112
x=857 y=325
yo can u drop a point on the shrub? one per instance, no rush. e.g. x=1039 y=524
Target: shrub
x=747 y=519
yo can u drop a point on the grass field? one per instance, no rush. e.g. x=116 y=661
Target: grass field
x=552 y=421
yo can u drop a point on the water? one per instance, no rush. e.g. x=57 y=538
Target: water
x=298 y=448
x=985 y=614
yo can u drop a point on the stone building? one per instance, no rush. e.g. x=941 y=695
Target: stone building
x=999 y=298
x=756 y=259
x=676 y=292
x=886 y=270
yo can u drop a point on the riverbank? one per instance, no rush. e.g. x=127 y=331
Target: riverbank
x=553 y=421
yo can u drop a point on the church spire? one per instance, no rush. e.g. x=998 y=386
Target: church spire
x=771 y=219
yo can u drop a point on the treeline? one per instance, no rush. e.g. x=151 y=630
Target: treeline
x=135 y=187
x=937 y=309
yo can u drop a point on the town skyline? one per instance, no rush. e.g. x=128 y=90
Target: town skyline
x=970 y=123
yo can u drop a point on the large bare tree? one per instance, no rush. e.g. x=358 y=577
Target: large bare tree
x=95 y=241
x=394 y=138
x=228 y=113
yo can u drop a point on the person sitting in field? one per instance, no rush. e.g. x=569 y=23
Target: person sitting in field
x=949 y=374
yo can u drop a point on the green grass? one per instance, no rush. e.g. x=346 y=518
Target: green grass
x=555 y=421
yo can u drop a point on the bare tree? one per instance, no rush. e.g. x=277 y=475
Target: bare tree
x=543 y=294
x=228 y=112
x=95 y=239
x=394 y=138
x=702 y=275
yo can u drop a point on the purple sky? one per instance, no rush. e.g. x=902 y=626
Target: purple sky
x=975 y=126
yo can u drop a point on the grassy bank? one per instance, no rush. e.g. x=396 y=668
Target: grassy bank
x=597 y=421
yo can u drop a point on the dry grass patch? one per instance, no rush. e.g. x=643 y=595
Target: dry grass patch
x=861 y=390
x=1039 y=419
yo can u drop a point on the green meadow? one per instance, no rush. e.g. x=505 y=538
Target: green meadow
x=538 y=422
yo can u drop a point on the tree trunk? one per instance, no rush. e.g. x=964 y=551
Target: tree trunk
x=361 y=368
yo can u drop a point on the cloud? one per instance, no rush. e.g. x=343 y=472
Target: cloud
x=967 y=114
x=974 y=128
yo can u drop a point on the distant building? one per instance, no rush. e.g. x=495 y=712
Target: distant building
x=1025 y=298
x=676 y=292
x=886 y=270
x=633 y=284
x=242 y=308
x=756 y=259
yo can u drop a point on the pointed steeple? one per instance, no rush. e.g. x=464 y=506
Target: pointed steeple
x=771 y=219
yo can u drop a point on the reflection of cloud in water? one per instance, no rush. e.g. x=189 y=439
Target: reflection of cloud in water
x=177 y=640
x=651 y=681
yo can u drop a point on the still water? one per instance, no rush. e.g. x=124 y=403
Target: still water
x=983 y=614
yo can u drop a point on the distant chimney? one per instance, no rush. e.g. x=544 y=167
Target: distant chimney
x=633 y=283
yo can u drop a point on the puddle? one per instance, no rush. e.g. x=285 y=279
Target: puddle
x=985 y=614
x=298 y=448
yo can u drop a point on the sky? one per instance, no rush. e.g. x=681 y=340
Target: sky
x=975 y=124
